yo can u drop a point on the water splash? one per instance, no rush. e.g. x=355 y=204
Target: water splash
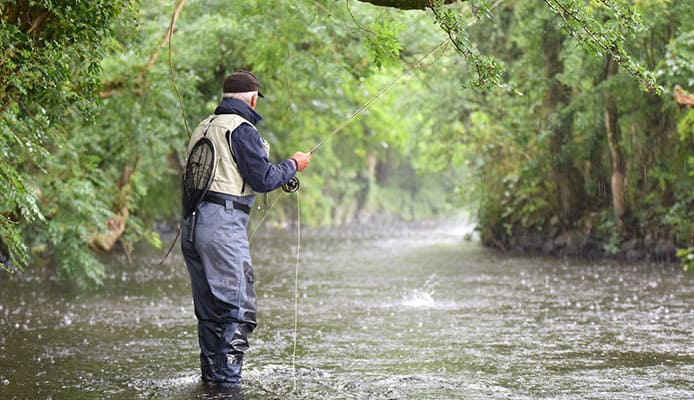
x=424 y=297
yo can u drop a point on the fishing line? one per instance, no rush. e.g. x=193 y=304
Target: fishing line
x=169 y=37
x=377 y=95
x=169 y=34
x=294 y=184
x=391 y=84
x=262 y=219
x=296 y=285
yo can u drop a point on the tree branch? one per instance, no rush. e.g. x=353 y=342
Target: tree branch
x=406 y=4
x=38 y=22
x=165 y=40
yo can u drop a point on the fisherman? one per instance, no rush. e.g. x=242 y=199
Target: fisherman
x=218 y=258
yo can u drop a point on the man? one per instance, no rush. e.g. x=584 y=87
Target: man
x=218 y=258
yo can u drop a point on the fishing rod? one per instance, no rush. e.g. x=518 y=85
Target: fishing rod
x=294 y=184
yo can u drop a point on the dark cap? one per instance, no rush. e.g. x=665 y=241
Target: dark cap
x=241 y=82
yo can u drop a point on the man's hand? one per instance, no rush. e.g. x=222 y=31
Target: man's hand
x=301 y=160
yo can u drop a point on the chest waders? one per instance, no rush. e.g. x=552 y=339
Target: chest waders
x=218 y=257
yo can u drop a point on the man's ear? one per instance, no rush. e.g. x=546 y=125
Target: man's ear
x=254 y=101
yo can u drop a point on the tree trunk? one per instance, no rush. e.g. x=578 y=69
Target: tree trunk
x=568 y=179
x=658 y=133
x=614 y=139
x=106 y=239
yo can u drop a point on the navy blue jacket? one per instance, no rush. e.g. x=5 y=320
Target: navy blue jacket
x=254 y=165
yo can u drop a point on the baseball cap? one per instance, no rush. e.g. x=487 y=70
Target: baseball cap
x=240 y=82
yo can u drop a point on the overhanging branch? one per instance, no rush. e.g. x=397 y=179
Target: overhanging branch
x=406 y=4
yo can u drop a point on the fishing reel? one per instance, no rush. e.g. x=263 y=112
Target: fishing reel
x=291 y=186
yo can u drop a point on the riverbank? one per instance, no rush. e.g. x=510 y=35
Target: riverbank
x=576 y=243
x=587 y=243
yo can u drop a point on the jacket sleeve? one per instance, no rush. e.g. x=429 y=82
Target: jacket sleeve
x=254 y=165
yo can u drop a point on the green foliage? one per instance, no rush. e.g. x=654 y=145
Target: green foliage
x=680 y=216
x=687 y=258
x=50 y=64
x=88 y=100
x=67 y=232
x=686 y=135
x=678 y=59
x=383 y=47
x=488 y=70
x=603 y=28
x=513 y=158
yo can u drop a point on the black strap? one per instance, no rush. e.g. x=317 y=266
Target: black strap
x=211 y=198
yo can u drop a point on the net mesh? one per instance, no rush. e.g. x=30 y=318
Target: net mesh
x=198 y=173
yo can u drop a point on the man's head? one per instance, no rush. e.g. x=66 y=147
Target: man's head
x=242 y=85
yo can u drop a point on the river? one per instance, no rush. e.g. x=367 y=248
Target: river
x=411 y=311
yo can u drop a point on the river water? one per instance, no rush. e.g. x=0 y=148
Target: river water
x=399 y=312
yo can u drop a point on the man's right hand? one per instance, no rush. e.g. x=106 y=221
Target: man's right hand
x=302 y=160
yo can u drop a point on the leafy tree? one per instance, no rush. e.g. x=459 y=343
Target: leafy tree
x=50 y=68
x=580 y=19
x=518 y=146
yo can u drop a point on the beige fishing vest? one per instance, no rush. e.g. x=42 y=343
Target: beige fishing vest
x=227 y=178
